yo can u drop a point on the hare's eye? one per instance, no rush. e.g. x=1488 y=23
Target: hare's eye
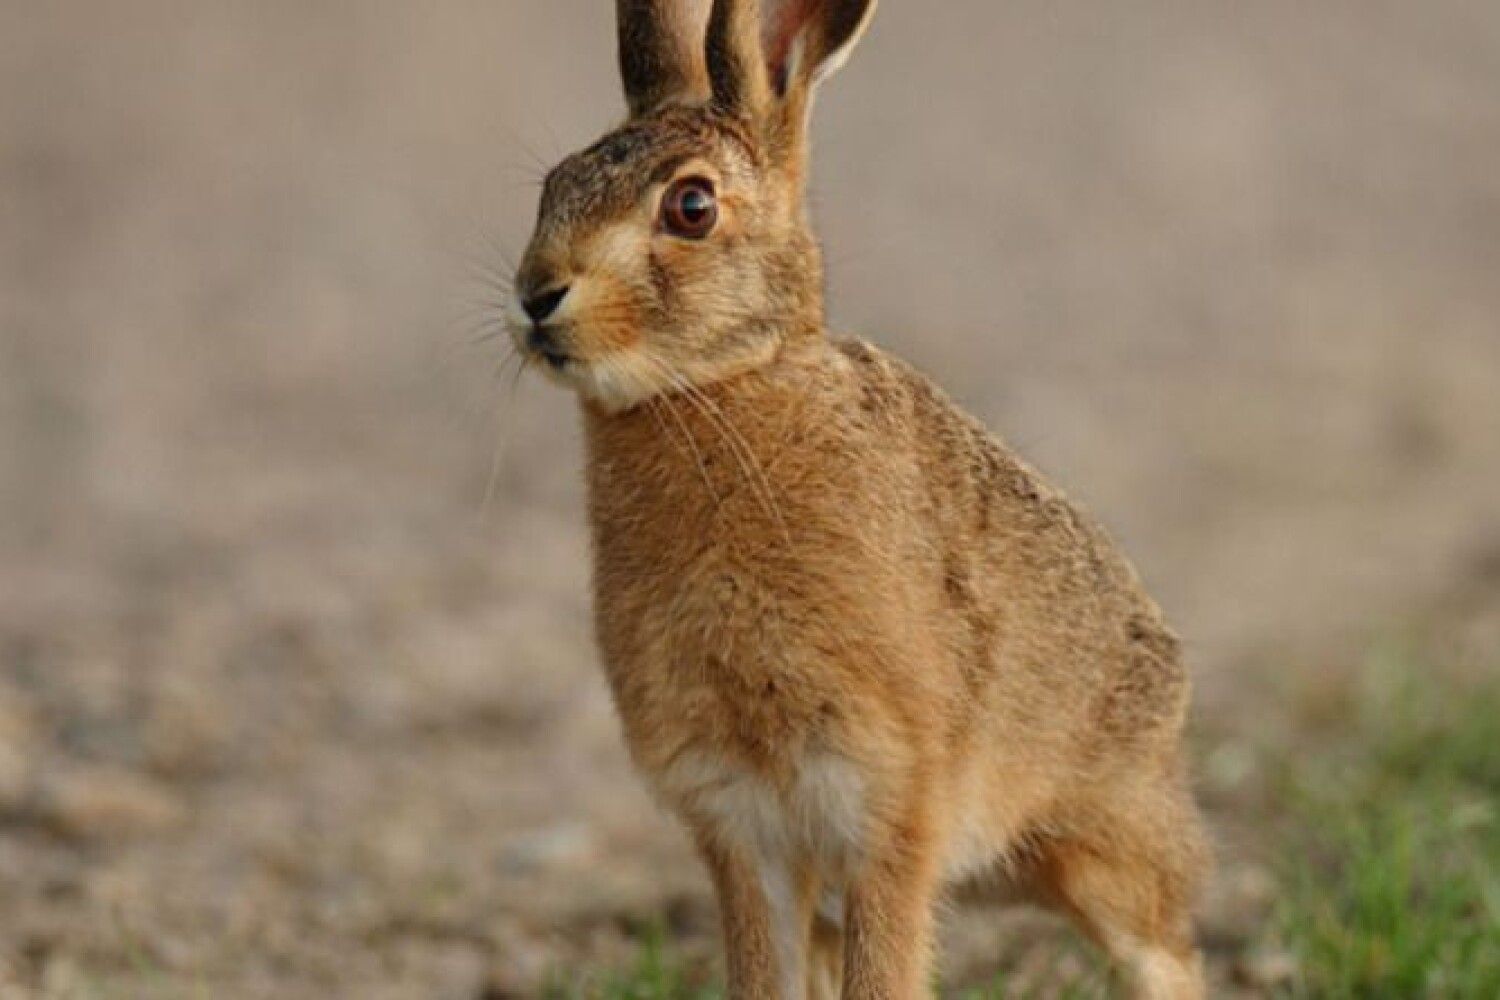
x=690 y=209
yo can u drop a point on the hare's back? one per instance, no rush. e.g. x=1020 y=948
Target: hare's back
x=1045 y=596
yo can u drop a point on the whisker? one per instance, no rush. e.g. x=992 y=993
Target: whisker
x=651 y=395
x=489 y=330
x=739 y=448
x=713 y=410
x=513 y=136
x=697 y=453
x=507 y=258
x=524 y=362
x=497 y=460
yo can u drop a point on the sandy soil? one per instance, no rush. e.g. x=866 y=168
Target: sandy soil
x=297 y=695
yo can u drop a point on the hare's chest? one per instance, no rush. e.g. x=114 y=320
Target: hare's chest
x=816 y=808
x=720 y=663
x=705 y=618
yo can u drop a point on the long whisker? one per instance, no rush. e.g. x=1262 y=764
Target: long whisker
x=739 y=448
x=680 y=386
x=692 y=443
x=765 y=492
x=492 y=481
x=647 y=391
x=523 y=362
x=715 y=411
x=709 y=409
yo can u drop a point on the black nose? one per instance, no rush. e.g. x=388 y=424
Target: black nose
x=540 y=307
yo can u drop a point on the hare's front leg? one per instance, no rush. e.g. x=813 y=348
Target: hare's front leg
x=888 y=947
x=765 y=911
x=825 y=959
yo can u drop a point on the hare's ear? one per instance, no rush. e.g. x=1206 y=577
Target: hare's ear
x=736 y=58
x=807 y=41
x=662 y=52
x=765 y=57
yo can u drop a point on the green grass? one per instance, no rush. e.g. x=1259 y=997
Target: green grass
x=1387 y=831
x=655 y=975
x=1391 y=872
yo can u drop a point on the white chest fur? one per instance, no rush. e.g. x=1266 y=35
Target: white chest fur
x=818 y=816
x=816 y=820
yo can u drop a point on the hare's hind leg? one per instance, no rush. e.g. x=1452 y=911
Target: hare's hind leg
x=1129 y=879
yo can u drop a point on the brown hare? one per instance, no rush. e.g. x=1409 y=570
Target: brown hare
x=857 y=645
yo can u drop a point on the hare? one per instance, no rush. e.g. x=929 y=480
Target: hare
x=860 y=648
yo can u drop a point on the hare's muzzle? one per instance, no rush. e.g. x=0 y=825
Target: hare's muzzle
x=541 y=340
x=539 y=337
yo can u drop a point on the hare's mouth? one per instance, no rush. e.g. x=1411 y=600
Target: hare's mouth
x=539 y=339
x=553 y=353
x=543 y=344
x=553 y=358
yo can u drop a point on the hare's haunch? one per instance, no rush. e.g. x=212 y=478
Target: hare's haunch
x=858 y=646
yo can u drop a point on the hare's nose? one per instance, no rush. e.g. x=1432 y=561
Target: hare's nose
x=541 y=307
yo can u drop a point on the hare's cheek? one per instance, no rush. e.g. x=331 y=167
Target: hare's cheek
x=615 y=316
x=618 y=249
x=680 y=272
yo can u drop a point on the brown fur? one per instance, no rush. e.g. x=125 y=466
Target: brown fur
x=857 y=645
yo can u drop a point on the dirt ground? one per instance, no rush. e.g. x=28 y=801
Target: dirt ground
x=297 y=693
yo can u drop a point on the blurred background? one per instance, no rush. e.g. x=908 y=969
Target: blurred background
x=297 y=690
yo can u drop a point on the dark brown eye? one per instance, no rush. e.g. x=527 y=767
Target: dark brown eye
x=690 y=209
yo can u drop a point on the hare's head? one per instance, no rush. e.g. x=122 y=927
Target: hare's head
x=676 y=249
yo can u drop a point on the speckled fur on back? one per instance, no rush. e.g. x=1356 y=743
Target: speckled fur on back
x=857 y=645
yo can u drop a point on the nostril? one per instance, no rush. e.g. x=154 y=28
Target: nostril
x=540 y=307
